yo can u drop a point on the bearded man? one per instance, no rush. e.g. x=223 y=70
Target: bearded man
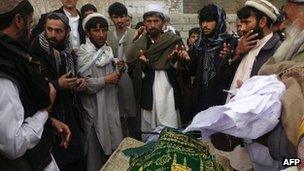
x=152 y=68
x=288 y=63
x=258 y=43
x=26 y=98
x=52 y=49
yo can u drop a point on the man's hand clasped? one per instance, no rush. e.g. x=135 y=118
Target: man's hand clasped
x=179 y=52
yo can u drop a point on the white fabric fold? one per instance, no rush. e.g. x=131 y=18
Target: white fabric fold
x=88 y=56
x=163 y=112
x=243 y=71
x=251 y=113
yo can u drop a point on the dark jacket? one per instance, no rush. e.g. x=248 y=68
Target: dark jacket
x=204 y=95
x=34 y=95
x=66 y=107
x=265 y=53
x=271 y=138
x=40 y=26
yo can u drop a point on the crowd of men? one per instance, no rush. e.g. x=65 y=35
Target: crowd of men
x=71 y=88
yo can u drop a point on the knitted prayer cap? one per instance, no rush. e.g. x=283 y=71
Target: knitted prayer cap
x=93 y=15
x=7 y=6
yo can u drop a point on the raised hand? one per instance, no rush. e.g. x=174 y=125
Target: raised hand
x=225 y=51
x=142 y=57
x=183 y=54
x=179 y=51
x=120 y=64
x=139 y=32
x=247 y=42
x=174 y=52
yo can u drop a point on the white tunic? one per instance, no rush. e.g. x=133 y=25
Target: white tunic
x=244 y=69
x=100 y=100
x=18 y=134
x=74 y=34
x=163 y=110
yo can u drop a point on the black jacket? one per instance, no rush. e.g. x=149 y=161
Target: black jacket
x=265 y=53
x=203 y=95
x=34 y=95
x=40 y=26
x=66 y=108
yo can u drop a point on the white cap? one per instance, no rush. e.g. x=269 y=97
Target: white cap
x=264 y=6
x=93 y=15
x=157 y=8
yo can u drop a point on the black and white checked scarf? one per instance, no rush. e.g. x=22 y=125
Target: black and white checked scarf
x=65 y=54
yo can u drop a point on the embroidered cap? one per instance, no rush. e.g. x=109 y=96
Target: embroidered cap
x=264 y=6
x=93 y=15
x=9 y=5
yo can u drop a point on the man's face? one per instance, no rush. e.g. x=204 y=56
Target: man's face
x=56 y=32
x=153 y=25
x=193 y=38
x=98 y=35
x=208 y=27
x=120 y=22
x=25 y=32
x=69 y=3
x=251 y=23
x=239 y=27
x=248 y=24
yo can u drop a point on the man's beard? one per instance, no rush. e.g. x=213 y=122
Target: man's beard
x=24 y=38
x=258 y=30
x=57 y=45
x=287 y=48
x=154 y=32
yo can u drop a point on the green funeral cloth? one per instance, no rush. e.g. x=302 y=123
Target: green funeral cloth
x=174 y=151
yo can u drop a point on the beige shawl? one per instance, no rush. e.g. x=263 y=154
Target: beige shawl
x=292 y=75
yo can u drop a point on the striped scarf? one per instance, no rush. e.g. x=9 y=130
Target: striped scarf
x=59 y=56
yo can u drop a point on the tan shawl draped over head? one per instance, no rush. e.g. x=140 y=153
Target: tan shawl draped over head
x=292 y=75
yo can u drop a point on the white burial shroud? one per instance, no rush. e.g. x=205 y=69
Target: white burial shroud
x=251 y=113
